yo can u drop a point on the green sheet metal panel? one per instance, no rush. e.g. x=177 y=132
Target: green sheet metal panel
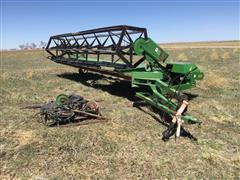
x=181 y=67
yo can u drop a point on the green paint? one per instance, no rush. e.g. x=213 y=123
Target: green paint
x=157 y=80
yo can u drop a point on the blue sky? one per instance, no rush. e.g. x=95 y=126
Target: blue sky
x=25 y=21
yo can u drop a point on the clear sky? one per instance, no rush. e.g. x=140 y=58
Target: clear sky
x=25 y=21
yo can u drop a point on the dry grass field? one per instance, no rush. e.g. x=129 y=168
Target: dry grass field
x=129 y=144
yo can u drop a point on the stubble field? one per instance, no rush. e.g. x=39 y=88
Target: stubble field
x=128 y=145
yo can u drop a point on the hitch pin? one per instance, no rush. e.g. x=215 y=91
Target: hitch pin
x=177 y=117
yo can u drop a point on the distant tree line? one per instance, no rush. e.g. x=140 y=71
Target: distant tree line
x=32 y=45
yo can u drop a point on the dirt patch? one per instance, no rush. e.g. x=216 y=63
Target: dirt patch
x=214 y=55
x=226 y=55
x=24 y=137
x=182 y=57
x=215 y=80
x=3 y=76
x=236 y=50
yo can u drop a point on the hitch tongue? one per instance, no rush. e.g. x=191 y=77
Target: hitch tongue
x=177 y=117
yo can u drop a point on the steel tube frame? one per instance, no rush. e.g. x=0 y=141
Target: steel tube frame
x=116 y=41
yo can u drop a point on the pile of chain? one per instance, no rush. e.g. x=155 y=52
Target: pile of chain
x=68 y=109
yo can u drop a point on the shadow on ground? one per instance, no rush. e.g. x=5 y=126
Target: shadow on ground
x=114 y=86
x=123 y=89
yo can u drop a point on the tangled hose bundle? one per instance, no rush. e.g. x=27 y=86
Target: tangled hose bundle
x=68 y=109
